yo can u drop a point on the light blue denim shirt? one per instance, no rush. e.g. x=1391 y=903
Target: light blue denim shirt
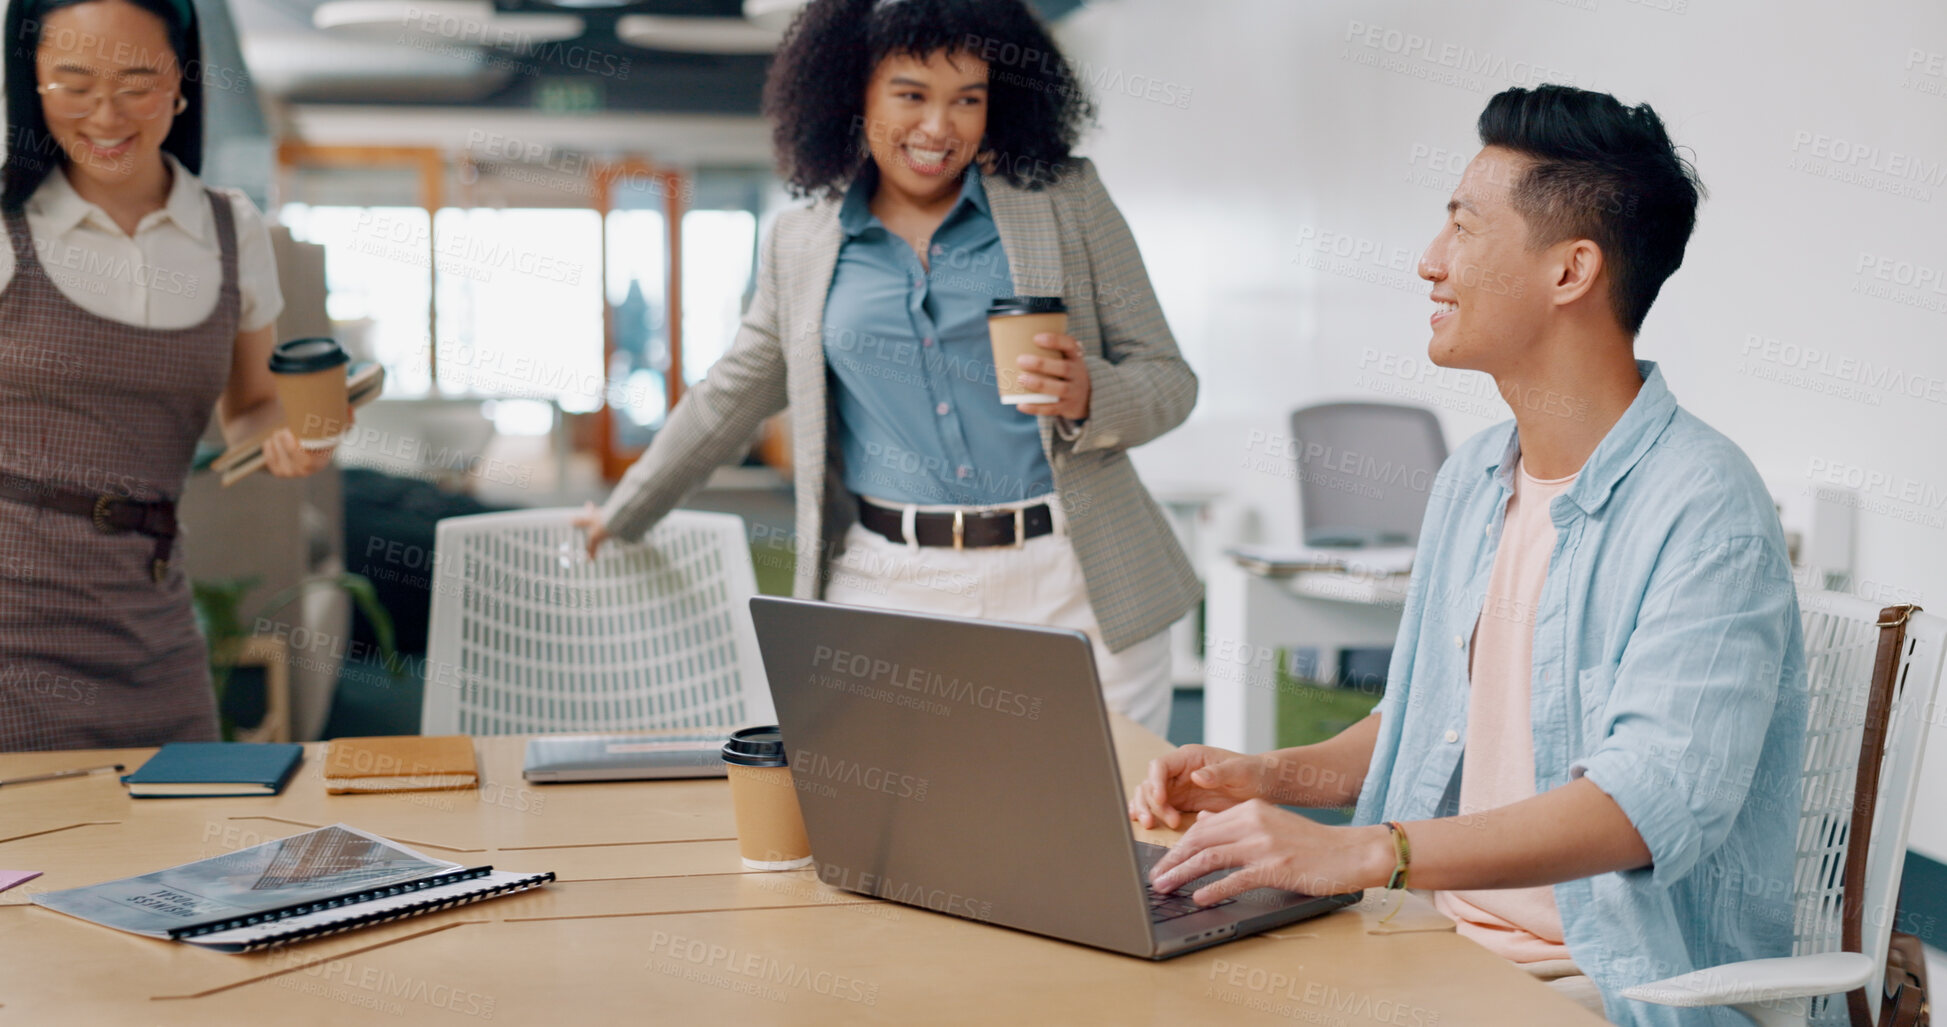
x=1668 y=669
x=920 y=417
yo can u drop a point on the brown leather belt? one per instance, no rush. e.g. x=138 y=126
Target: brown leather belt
x=111 y=515
x=959 y=529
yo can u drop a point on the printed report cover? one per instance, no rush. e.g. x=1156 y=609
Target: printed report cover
x=310 y=867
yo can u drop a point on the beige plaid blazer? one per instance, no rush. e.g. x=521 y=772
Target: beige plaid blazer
x=1066 y=240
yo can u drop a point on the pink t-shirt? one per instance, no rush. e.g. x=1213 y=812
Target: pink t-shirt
x=1519 y=924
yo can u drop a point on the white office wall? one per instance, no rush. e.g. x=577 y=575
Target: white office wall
x=1241 y=136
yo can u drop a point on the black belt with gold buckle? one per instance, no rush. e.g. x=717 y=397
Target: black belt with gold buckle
x=111 y=515
x=960 y=529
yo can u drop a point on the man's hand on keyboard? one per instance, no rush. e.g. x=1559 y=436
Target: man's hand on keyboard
x=1274 y=848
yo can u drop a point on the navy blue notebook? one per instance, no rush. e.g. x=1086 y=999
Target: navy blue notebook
x=215 y=769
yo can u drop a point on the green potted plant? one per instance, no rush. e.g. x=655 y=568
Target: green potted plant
x=219 y=613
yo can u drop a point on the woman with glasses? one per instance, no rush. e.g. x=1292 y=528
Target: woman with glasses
x=934 y=138
x=133 y=301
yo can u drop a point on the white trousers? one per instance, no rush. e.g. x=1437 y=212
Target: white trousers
x=1039 y=583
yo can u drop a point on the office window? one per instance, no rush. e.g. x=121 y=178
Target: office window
x=638 y=282
x=488 y=287
x=520 y=304
x=379 y=289
x=719 y=247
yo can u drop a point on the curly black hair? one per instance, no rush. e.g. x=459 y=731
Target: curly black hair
x=815 y=94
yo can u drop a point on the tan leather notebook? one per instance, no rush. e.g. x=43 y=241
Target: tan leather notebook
x=400 y=763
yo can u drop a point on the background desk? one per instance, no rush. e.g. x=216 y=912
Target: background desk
x=1250 y=615
x=655 y=920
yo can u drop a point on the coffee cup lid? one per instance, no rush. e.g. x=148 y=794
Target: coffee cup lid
x=755 y=747
x=1008 y=306
x=301 y=356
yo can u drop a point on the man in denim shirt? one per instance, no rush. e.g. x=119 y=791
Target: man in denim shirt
x=1601 y=620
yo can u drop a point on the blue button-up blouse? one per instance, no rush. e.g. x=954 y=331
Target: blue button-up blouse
x=920 y=416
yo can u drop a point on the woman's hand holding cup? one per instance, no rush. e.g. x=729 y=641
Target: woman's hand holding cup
x=286 y=457
x=1065 y=378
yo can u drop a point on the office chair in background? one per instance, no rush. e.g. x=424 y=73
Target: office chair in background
x=1365 y=471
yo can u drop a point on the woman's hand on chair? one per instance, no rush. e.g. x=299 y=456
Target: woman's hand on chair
x=589 y=520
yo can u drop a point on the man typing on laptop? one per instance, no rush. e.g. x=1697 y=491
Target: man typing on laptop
x=1602 y=619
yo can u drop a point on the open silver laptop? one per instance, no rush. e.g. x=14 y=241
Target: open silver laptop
x=966 y=767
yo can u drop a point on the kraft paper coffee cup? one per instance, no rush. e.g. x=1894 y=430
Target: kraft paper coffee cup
x=770 y=827
x=310 y=377
x=1012 y=324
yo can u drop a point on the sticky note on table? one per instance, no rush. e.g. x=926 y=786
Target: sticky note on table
x=10 y=878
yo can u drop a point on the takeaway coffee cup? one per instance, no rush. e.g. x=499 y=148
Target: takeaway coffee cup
x=770 y=828
x=1012 y=324
x=311 y=386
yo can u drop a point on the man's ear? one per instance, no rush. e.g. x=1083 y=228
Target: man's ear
x=1578 y=265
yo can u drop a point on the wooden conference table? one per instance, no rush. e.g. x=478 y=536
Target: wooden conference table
x=654 y=920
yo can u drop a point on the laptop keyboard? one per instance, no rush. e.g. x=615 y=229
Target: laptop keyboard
x=1178 y=903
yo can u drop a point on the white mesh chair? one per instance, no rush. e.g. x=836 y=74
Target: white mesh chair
x=1844 y=897
x=528 y=635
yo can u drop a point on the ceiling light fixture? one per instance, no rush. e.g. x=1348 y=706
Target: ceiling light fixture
x=773 y=15
x=426 y=23
x=695 y=35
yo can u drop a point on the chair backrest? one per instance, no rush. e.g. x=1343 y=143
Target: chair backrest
x=1365 y=471
x=529 y=635
x=1842 y=639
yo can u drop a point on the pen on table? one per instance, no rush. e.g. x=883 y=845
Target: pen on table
x=61 y=773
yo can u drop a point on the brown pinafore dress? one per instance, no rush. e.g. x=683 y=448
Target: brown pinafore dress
x=94 y=652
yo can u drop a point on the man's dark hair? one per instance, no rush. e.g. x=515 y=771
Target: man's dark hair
x=32 y=154
x=1603 y=172
x=815 y=95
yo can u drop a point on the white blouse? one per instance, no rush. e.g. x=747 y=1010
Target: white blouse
x=168 y=274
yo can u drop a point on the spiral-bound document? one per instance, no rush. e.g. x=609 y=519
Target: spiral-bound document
x=309 y=885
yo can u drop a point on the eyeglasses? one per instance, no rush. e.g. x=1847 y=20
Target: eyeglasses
x=143 y=103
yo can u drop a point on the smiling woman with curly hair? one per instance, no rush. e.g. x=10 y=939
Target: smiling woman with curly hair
x=816 y=93
x=934 y=140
